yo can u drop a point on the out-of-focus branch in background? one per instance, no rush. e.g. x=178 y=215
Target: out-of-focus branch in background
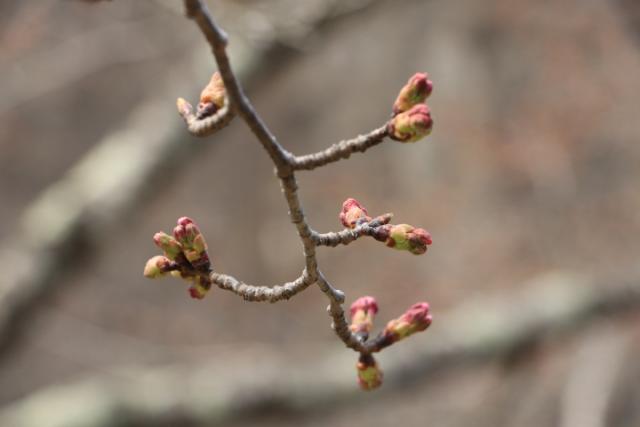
x=217 y=393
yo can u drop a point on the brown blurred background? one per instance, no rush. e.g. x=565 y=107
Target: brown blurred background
x=529 y=181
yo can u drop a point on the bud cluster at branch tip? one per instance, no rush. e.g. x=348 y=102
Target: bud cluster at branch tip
x=417 y=318
x=185 y=256
x=404 y=237
x=411 y=116
x=362 y=312
x=353 y=213
x=369 y=374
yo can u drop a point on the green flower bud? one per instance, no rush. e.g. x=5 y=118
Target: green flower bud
x=157 y=266
x=411 y=125
x=405 y=237
x=415 y=92
x=415 y=319
x=369 y=374
x=168 y=244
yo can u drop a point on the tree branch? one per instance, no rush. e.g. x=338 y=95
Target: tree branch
x=341 y=150
x=410 y=122
x=261 y=293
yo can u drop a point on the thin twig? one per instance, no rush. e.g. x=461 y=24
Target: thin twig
x=261 y=293
x=341 y=150
x=349 y=235
x=209 y=125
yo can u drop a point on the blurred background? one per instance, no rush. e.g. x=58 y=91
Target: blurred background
x=528 y=184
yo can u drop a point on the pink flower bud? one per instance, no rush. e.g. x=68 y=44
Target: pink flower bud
x=352 y=213
x=418 y=240
x=168 y=244
x=192 y=241
x=411 y=125
x=415 y=319
x=157 y=266
x=405 y=237
x=199 y=287
x=369 y=374
x=212 y=97
x=362 y=312
x=415 y=92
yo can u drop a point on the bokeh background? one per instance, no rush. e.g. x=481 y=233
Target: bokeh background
x=529 y=185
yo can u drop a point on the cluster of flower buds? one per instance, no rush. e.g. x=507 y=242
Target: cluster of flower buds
x=185 y=256
x=369 y=374
x=404 y=237
x=212 y=99
x=399 y=236
x=417 y=318
x=411 y=116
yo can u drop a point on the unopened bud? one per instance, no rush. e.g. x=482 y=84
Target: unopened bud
x=157 y=266
x=168 y=244
x=212 y=97
x=362 y=312
x=352 y=213
x=369 y=374
x=405 y=237
x=415 y=92
x=415 y=319
x=411 y=125
x=192 y=241
x=199 y=287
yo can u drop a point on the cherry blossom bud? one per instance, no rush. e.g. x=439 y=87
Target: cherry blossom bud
x=362 y=312
x=369 y=374
x=411 y=125
x=199 y=287
x=352 y=213
x=212 y=97
x=192 y=241
x=168 y=244
x=405 y=237
x=415 y=319
x=415 y=92
x=157 y=266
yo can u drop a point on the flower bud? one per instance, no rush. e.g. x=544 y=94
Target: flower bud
x=369 y=374
x=415 y=92
x=212 y=97
x=411 y=125
x=352 y=213
x=415 y=319
x=362 y=312
x=168 y=244
x=199 y=287
x=405 y=237
x=192 y=241
x=157 y=266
